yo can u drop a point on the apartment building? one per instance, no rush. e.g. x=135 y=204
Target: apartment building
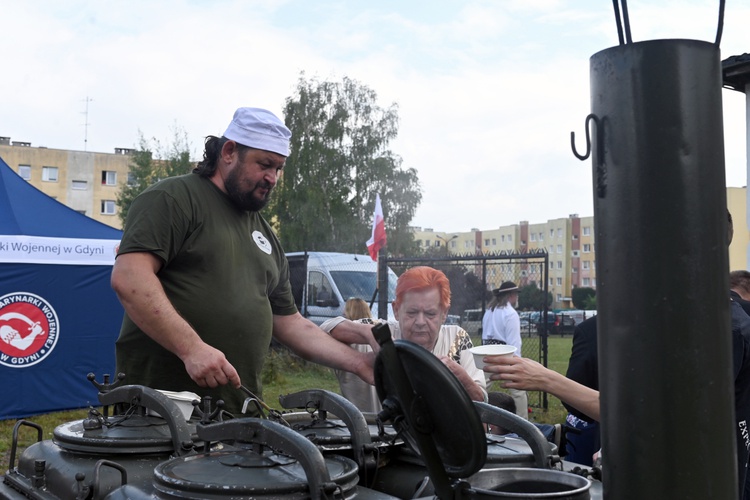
x=85 y=181
x=570 y=246
x=567 y=241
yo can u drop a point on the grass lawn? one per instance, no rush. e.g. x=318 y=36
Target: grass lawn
x=283 y=374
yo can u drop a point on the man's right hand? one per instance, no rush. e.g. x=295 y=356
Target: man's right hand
x=208 y=367
x=134 y=279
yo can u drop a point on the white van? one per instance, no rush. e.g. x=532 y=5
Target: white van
x=322 y=282
x=472 y=321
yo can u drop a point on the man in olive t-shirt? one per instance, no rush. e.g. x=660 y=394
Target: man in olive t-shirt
x=204 y=280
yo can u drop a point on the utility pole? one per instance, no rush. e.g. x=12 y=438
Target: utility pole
x=86 y=124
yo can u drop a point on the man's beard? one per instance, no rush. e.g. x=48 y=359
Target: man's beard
x=246 y=200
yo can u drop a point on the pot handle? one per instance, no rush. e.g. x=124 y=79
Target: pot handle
x=158 y=402
x=540 y=447
x=344 y=409
x=276 y=437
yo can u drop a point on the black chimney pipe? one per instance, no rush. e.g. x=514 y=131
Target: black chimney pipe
x=662 y=271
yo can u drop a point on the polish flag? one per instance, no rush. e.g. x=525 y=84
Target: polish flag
x=377 y=241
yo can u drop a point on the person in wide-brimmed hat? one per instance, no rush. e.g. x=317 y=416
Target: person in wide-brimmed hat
x=501 y=325
x=506 y=287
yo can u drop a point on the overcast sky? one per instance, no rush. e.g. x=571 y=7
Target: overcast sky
x=488 y=91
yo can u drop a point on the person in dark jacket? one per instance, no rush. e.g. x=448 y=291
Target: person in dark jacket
x=739 y=288
x=582 y=436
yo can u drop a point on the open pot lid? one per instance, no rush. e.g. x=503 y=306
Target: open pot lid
x=429 y=407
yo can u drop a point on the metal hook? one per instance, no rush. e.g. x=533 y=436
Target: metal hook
x=601 y=169
x=589 y=118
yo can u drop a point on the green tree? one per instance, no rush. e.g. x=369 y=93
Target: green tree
x=530 y=297
x=581 y=295
x=590 y=303
x=145 y=170
x=340 y=159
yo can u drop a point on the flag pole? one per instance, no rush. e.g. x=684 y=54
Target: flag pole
x=382 y=288
x=376 y=246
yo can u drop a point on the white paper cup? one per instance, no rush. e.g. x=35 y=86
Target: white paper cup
x=481 y=351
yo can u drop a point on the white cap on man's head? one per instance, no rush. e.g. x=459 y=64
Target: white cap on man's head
x=259 y=128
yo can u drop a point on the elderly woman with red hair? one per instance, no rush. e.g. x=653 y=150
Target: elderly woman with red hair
x=423 y=297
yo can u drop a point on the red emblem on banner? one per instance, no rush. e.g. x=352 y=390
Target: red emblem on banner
x=28 y=329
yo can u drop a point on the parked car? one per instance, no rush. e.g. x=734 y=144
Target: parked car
x=557 y=323
x=565 y=323
x=453 y=319
x=526 y=324
x=472 y=321
x=579 y=315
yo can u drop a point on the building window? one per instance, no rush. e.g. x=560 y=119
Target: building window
x=79 y=184
x=559 y=232
x=586 y=282
x=559 y=281
x=559 y=297
x=533 y=236
x=419 y=243
x=131 y=179
x=559 y=264
x=574 y=270
x=49 y=174
x=587 y=231
x=494 y=242
x=541 y=236
x=108 y=207
x=25 y=172
x=437 y=243
x=586 y=265
x=487 y=242
x=510 y=237
x=559 y=248
x=551 y=282
x=109 y=178
x=586 y=248
x=551 y=233
x=502 y=238
x=453 y=244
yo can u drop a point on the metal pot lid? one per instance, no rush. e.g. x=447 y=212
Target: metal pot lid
x=428 y=405
x=333 y=433
x=131 y=430
x=246 y=474
x=136 y=434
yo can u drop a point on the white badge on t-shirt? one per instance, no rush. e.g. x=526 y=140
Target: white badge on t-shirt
x=262 y=242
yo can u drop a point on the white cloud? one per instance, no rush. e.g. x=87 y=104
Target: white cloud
x=488 y=92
